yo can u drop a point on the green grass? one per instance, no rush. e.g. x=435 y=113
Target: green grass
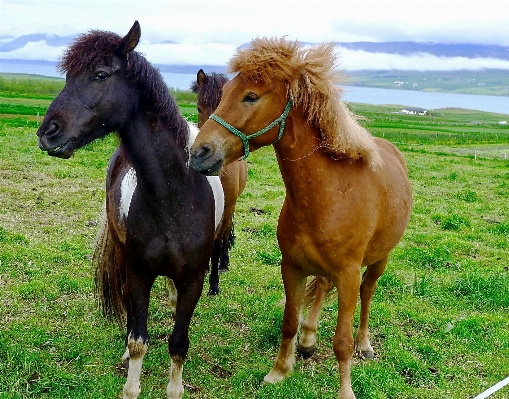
x=439 y=318
x=483 y=82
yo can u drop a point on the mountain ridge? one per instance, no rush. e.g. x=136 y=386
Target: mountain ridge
x=395 y=47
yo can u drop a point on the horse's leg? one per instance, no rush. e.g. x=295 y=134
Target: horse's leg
x=178 y=343
x=295 y=286
x=368 y=285
x=347 y=283
x=172 y=294
x=228 y=239
x=307 y=341
x=138 y=287
x=214 y=271
x=125 y=356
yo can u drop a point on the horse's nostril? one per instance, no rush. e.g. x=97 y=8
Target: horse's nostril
x=203 y=152
x=54 y=130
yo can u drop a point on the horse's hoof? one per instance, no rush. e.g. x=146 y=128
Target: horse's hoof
x=368 y=355
x=223 y=271
x=273 y=377
x=213 y=292
x=306 y=353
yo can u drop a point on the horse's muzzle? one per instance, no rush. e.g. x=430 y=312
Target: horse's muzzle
x=205 y=161
x=65 y=151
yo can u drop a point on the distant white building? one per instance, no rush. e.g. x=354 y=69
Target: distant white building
x=502 y=123
x=414 y=111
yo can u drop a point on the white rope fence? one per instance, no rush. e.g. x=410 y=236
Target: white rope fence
x=493 y=389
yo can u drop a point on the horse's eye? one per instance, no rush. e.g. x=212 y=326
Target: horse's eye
x=101 y=75
x=250 y=98
x=199 y=110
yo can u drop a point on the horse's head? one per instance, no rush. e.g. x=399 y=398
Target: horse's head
x=97 y=97
x=250 y=115
x=208 y=88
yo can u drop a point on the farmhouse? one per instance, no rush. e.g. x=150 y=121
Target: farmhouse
x=414 y=111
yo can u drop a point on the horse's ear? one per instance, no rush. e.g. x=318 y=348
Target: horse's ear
x=131 y=40
x=201 y=78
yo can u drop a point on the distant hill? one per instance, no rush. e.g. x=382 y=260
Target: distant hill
x=22 y=41
x=437 y=49
x=401 y=48
x=487 y=81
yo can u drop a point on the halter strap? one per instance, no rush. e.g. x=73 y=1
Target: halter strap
x=245 y=139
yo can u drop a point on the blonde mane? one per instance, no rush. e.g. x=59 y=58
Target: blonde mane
x=311 y=76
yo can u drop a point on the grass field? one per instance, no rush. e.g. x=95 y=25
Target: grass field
x=494 y=82
x=439 y=317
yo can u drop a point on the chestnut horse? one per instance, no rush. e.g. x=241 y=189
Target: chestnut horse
x=348 y=196
x=208 y=88
x=162 y=216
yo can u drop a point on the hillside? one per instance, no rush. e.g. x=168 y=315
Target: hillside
x=486 y=82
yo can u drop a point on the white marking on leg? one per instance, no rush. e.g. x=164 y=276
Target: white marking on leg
x=175 y=389
x=127 y=187
x=125 y=356
x=137 y=350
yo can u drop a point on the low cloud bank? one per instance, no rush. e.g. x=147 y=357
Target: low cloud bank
x=219 y=54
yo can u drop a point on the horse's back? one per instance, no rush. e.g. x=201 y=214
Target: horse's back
x=389 y=152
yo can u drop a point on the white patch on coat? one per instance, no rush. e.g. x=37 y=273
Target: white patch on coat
x=214 y=181
x=217 y=190
x=129 y=182
x=127 y=188
x=193 y=132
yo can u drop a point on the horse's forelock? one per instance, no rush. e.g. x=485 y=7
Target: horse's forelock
x=89 y=50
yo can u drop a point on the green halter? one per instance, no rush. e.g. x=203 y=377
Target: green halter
x=245 y=139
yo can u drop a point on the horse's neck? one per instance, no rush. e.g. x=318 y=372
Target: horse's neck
x=156 y=154
x=302 y=160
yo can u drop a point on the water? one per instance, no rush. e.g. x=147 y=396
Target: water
x=429 y=101
x=367 y=95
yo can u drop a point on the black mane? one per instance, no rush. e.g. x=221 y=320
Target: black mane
x=98 y=48
x=211 y=92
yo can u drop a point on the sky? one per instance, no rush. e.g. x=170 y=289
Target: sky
x=209 y=32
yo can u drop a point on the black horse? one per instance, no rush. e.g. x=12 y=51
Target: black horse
x=161 y=216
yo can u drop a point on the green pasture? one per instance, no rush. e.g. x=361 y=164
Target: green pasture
x=439 y=318
x=493 y=82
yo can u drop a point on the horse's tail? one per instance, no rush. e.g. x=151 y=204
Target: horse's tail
x=310 y=294
x=311 y=287
x=108 y=274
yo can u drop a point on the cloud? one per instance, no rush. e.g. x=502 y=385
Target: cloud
x=352 y=60
x=220 y=54
x=191 y=54
x=34 y=51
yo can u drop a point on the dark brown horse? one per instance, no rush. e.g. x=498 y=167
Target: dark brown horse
x=348 y=197
x=161 y=215
x=208 y=88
